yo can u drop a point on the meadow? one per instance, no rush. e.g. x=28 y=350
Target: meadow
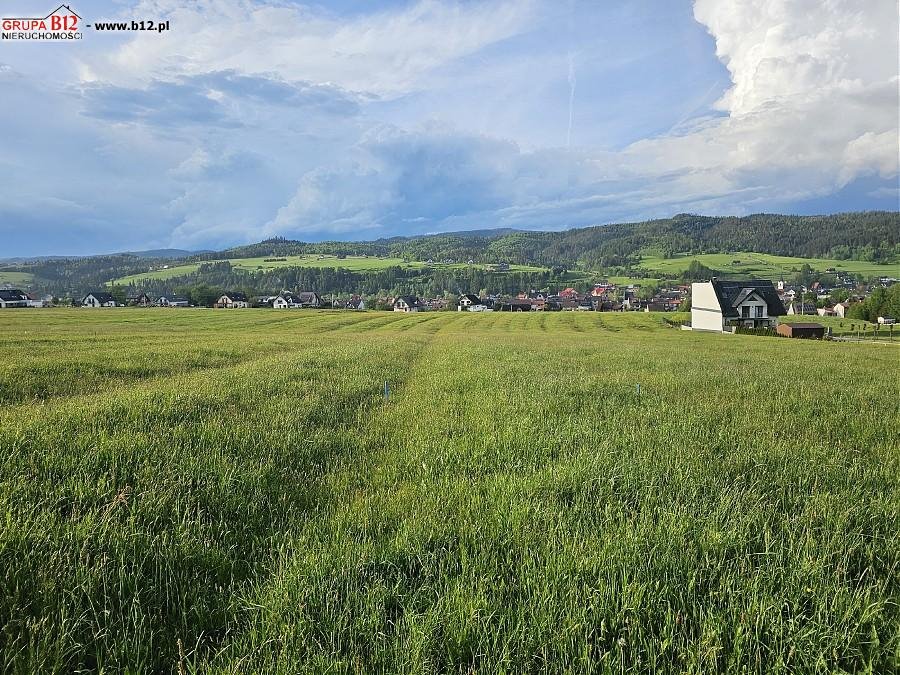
x=764 y=265
x=231 y=492
x=10 y=278
x=352 y=263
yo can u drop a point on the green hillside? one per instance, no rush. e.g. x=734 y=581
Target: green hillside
x=15 y=278
x=763 y=265
x=266 y=263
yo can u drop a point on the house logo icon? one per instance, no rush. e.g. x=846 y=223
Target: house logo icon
x=63 y=23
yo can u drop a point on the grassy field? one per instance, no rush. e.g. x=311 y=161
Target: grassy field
x=353 y=263
x=229 y=492
x=15 y=278
x=763 y=265
x=841 y=326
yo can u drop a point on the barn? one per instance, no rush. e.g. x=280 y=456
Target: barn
x=814 y=331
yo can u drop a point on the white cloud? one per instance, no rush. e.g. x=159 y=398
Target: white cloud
x=258 y=118
x=384 y=54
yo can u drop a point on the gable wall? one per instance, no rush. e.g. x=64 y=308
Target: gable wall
x=705 y=311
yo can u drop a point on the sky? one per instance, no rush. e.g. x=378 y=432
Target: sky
x=355 y=119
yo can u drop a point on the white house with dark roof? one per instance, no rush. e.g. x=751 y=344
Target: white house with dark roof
x=723 y=305
x=98 y=299
x=470 y=303
x=173 y=301
x=407 y=303
x=12 y=297
x=307 y=299
x=232 y=300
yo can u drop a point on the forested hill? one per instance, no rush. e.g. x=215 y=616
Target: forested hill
x=872 y=236
x=869 y=235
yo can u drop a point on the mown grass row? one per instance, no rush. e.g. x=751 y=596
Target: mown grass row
x=519 y=504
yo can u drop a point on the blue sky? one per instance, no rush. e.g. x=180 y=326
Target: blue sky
x=358 y=120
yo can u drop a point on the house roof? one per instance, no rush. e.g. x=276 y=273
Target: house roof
x=236 y=296
x=12 y=295
x=102 y=296
x=804 y=325
x=731 y=292
x=410 y=300
x=474 y=299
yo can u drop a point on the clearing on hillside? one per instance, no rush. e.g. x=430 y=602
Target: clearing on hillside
x=352 y=263
x=764 y=265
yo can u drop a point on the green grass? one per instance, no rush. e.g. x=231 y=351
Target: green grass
x=352 y=263
x=15 y=278
x=228 y=492
x=841 y=326
x=763 y=265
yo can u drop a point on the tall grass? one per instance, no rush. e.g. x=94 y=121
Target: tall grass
x=230 y=492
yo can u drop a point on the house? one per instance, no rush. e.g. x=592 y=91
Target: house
x=468 y=303
x=233 y=300
x=407 y=303
x=35 y=301
x=826 y=311
x=814 y=331
x=137 y=299
x=306 y=299
x=790 y=294
x=309 y=299
x=886 y=320
x=98 y=299
x=42 y=301
x=723 y=305
x=12 y=297
x=173 y=301
x=841 y=308
x=801 y=308
x=356 y=303
x=285 y=301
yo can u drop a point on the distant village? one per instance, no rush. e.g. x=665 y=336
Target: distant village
x=722 y=305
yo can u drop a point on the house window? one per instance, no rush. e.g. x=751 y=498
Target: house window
x=759 y=311
x=745 y=311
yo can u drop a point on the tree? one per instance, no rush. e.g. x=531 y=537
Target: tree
x=119 y=293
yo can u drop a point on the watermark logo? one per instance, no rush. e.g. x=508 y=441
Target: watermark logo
x=63 y=23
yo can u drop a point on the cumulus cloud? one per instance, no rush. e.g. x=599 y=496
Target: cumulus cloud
x=812 y=106
x=256 y=118
x=384 y=53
